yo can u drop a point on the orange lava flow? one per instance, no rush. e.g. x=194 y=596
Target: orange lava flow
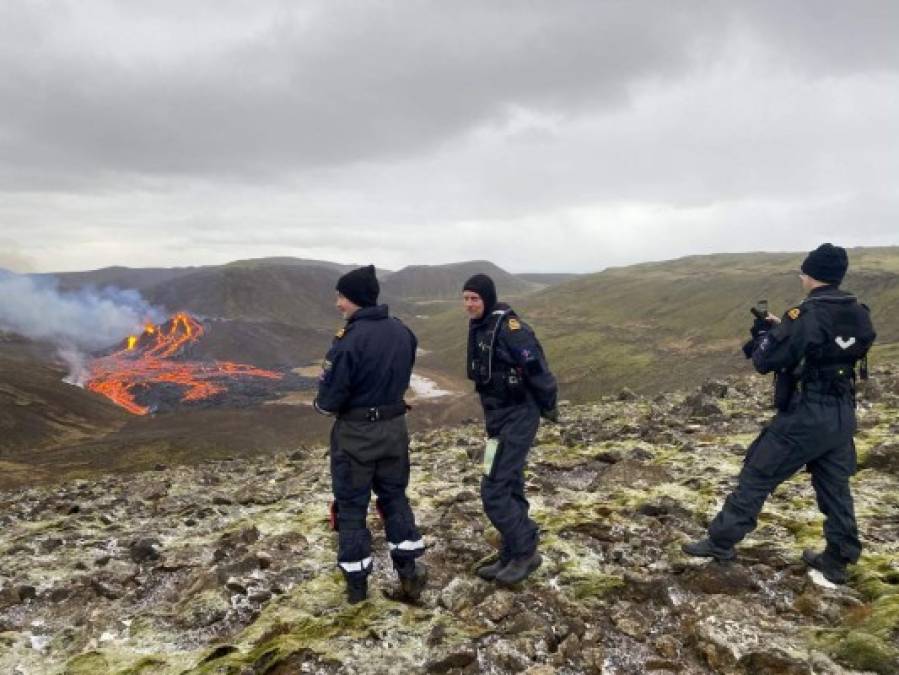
x=148 y=359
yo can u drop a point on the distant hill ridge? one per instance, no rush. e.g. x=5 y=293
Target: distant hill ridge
x=548 y=278
x=191 y=287
x=444 y=282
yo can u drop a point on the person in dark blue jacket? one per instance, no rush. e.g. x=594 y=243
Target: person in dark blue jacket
x=364 y=377
x=813 y=350
x=516 y=387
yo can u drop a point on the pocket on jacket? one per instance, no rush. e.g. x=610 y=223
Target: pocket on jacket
x=767 y=453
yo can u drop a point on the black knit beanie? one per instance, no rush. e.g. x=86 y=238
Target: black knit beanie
x=483 y=286
x=827 y=263
x=360 y=286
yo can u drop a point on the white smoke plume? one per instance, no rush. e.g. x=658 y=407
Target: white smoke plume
x=77 y=321
x=79 y=372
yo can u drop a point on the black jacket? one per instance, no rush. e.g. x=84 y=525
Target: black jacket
x=820 y=340
x=369 y=363
x=507 y=363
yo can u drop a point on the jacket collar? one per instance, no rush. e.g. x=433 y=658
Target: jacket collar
x=488 y=316
x=830 y=289
x=829 y=293
x=369 y=313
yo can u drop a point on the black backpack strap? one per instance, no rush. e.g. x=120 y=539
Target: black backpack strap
x=498 y=315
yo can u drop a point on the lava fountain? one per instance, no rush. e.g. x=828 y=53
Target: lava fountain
x=157 y=358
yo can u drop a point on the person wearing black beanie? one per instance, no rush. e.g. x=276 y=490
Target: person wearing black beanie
x=827 y=263
x=516 y=388
x=360 y=286
x=364 y=377
x=817 y=343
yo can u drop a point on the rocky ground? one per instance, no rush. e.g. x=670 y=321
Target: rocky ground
x=228 y=567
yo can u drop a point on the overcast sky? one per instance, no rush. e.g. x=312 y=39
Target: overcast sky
x=545 y=136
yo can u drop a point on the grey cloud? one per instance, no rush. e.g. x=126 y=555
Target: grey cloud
x=547 y=136
x=830 y=37
x=342 y=82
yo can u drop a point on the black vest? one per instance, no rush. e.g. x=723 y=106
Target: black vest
x=494 y=377
x=848 y=335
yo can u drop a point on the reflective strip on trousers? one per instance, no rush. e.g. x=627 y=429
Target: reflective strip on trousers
x=490 y=455
x=407 y=545
x=359 y=566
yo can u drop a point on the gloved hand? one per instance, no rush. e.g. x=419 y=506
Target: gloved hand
x=759 y=328
x=552 y=415
x=748 y=348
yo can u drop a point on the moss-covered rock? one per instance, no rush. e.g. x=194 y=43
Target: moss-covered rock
x=864 y=651
x=253 y=588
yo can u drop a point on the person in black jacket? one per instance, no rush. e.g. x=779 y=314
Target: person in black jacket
x=364 y=377
x=814 y=347
x=516 y=387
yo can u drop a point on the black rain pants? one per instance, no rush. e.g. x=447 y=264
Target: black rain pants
x=502 y=488
x=368 y=456
x=817 y=433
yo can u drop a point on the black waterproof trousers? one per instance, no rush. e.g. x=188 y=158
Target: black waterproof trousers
x=368 y=456
x=816 y=433
x=502 y=486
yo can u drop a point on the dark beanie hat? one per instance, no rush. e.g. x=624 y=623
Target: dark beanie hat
x=360 y=286
x=483 y=286
x=827 y=263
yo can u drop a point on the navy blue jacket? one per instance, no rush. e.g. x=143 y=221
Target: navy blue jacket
x=369 y=363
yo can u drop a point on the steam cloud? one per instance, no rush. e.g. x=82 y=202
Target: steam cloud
x=82 y=320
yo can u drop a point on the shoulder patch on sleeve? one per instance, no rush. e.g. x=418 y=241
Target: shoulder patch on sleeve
x=340 y=333
x=794 y=313
x=514 y=324
x=325 y=375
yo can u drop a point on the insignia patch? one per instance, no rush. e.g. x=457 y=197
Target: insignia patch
x=844 y=343
x=794 y=313
x=514 y=324
x=340 y=333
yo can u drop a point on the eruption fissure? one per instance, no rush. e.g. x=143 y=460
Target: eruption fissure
x=154 y=358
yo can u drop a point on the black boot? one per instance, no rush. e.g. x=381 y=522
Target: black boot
x=518 y=569
x=489 y=572
x=413 y=579
x=706 y=548
x=831 y=566
x=356 y=588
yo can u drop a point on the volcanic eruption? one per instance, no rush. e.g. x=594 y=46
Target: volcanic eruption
x=153 y=370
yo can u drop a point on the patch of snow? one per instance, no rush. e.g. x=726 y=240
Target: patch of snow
x=40 y=643
x=423 y=387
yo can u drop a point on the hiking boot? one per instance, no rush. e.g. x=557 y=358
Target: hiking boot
x=833 y=570
x=414 y=582
x=489 y=572
x=356 y=589
x=706 y=548
x=518 y=569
